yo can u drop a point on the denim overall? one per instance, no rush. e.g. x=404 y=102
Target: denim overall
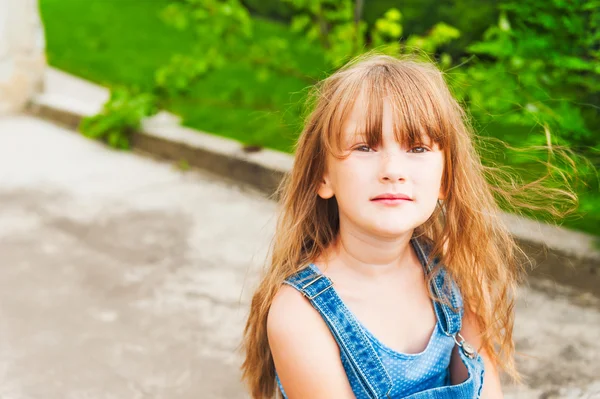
x=376 y=371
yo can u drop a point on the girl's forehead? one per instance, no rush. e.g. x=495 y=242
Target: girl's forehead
x=357 y=119
x=389 y=124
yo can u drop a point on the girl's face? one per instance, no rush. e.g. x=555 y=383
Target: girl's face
x=384 y=191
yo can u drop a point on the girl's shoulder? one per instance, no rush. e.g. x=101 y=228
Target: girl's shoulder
x=288 y=309
x=291 y=314
x=306 y=355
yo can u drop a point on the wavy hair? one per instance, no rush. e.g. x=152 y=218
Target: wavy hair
x=468 y=234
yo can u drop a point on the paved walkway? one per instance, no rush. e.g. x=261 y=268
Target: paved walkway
x=125 y=278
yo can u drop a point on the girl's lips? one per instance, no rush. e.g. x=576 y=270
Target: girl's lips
x=385 y=196
x=390 y=201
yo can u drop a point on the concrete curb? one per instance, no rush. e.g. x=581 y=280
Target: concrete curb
x=562 y=255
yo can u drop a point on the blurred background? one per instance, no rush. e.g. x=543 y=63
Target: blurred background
x=130 y=250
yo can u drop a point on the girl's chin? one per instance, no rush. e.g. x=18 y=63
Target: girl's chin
x=385 y=227
x=391 y=231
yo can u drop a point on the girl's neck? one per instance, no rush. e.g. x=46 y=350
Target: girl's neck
x=368 y=256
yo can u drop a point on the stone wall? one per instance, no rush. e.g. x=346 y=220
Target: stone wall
x=22 y=53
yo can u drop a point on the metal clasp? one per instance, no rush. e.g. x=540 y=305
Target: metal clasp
x=318 y=293
x=466 y=347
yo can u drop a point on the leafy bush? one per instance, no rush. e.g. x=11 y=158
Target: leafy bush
x=120 y=117
x=540 y=65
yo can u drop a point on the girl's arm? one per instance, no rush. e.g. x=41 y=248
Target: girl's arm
x=305 y=353
x=491 y=380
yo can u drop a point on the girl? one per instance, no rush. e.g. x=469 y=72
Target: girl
x=392 y=275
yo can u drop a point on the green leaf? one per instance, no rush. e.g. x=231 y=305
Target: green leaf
x=503 y=22
x=300 y=23
x=393 y=14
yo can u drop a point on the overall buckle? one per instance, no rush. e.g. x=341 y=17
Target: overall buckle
x=318 y=293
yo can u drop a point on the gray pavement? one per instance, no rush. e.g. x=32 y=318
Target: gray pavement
x=124 y=277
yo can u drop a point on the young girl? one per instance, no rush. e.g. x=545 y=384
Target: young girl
x=392 y=275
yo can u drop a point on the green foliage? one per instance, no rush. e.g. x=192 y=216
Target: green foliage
x=221 y=23
x=387 y=31
x=531 y=79
x=272 y=9
x=183 y=165
x=535 y=81
x=120 y=117
x=343 y=33
x=539 y=65
x=332 y=24
x=218 y=19
x=437 y=37
x=228 y=36
x=470 y=17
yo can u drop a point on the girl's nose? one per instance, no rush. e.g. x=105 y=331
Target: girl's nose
x=393 y=167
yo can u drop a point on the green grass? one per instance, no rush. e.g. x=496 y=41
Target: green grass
x=110 y=42
x=123 y=42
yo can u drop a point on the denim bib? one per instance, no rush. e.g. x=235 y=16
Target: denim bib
x=376 y=371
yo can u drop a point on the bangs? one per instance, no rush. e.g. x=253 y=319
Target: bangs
x=420 y=107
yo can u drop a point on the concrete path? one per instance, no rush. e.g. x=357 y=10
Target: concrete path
x=124 y=277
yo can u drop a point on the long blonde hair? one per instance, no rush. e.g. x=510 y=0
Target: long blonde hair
x=469 y=236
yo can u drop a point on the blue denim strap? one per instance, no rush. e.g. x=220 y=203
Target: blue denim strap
x=444 y=287
x=317 y=288
x=450 y=317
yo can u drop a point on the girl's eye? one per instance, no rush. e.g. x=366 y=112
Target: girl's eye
x=363 y=148
x=420 y=150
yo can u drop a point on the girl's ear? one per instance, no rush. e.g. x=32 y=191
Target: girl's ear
x=325 y=189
